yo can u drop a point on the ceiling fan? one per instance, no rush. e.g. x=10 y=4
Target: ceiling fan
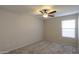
x=46 y=13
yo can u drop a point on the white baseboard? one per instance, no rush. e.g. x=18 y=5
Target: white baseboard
x=2 y=52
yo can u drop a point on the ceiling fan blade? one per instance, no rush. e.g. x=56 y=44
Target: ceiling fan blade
x=51 y=15
x=52 y=12
x=42 y=12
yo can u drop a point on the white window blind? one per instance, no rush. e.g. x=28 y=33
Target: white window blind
x=68 y=28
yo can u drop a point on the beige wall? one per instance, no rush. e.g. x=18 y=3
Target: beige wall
x=18 y=30
x=78 y=33
x=53 y=30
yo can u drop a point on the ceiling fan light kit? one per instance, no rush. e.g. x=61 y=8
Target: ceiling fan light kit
x=45 y=15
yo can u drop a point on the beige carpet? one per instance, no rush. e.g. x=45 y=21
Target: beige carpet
x=45 y=47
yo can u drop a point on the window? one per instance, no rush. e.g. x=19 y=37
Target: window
x=68 y=28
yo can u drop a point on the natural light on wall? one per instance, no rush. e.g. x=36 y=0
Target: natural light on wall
x=68 y=28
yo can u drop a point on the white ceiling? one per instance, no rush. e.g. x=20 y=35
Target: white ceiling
x=19 y=8
x=66 y=9
x=61 y=9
